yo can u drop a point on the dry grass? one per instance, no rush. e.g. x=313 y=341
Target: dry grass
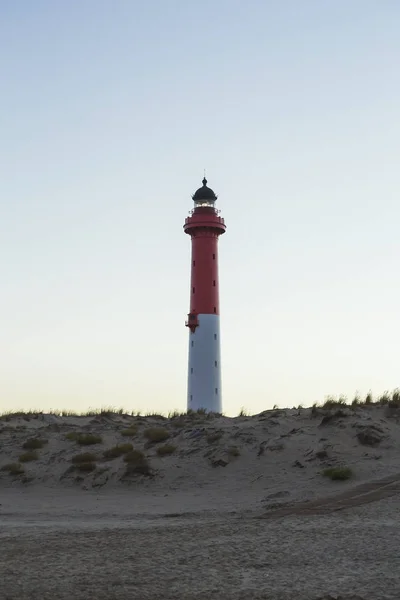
x=86 y=467
x=129 y=432
x=34 y=444
x=84 y=439
x=117 y=451
x=84 y=457
x=136 y=463
x=13 y=469
x=26 y=415
x=156 y=434
x=166 y=449
x=28 y=456
x=338 y=473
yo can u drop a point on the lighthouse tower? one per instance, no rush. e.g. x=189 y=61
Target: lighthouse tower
x=204 y=225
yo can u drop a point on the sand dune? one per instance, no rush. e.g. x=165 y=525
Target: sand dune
x=201 y=506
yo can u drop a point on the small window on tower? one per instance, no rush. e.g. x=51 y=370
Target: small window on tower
x=192 y=343
x=191 y=397
x=216 y=390
x=194 y=263
x=215 y=337
x=191 y=370
x=215 y=309
x=213 y=256
x=216 y=363
x=194 y=289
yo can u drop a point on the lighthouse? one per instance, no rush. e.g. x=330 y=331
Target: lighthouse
x=204 y=225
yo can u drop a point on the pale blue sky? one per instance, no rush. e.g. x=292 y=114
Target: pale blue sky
x=109 y=113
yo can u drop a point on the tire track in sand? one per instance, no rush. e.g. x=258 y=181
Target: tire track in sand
x=357 y=496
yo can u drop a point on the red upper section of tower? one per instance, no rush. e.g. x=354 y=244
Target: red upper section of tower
x=204 y=225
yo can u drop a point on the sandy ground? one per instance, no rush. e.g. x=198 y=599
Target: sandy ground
x=263 y=523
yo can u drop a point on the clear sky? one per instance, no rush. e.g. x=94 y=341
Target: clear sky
x=110 y=111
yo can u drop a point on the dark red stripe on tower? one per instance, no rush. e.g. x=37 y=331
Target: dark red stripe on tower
x=204 y=226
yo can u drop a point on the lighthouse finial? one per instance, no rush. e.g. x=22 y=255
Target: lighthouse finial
x=204 y=182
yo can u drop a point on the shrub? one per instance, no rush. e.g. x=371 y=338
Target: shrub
x=137 y=463
x=13 y=469
x=331 y=402
x=156 y=434
x=134 y=456
x=130 y=432
x=84 y=457
x=368 y=399
x=384 y=399
x=85 y=467
x=166 y=449
x=117 y=451
x=28 y=456
x=337 y=473
x=72 y=436
x=314 y=409
x=34 y=444
x=84 y=439
x=214 y=437
x=178 y=422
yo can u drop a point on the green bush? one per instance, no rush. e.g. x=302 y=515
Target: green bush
x=84 y=457
x=338 y=473
x=28 y=456
x=166 y=449
x=117 y=451
x=134 y=456
x=34 y=444
x=156 y=434
x=129 y=432
x=84 y=439
x=137 y=463
x=85 y=467
x=72 y=436
x=13 y=469
x=332 y=402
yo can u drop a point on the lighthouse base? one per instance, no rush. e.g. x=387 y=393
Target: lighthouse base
x=204 y=372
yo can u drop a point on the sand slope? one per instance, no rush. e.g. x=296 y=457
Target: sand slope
x=239 y=510
x=270 y=458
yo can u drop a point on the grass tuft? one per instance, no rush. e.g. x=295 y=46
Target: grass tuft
x=166 y=449
x=28 y=456
x=84 y=439
x=129 y=432
x=84 y=457
x=117 y=451
x=332 y=402
x=337 y=473
x=34 y=444
x=136 y=463
x=13 y=469
x=156 y=434
x=86 y=467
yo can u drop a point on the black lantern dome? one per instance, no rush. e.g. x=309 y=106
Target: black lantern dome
x=204 y=195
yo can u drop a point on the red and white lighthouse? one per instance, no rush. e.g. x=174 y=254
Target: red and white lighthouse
x=204 y=225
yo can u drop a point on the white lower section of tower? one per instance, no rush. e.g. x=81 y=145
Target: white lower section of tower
x=204 y=373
